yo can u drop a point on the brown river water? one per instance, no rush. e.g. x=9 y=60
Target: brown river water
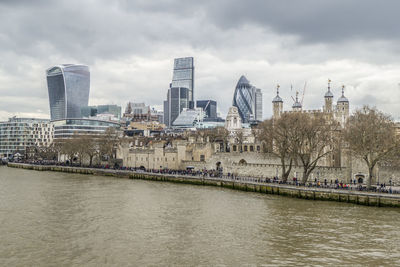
x=61 y=219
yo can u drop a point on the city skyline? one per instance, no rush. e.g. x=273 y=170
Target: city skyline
x=268 y=42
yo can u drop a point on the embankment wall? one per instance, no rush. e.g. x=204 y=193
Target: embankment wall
x=361 y=198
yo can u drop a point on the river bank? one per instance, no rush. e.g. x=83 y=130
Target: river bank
x=361 y=198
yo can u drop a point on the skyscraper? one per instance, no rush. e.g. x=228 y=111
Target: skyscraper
x=248 y=100
x=183 y=76
x=68 y=86
x=177 y=100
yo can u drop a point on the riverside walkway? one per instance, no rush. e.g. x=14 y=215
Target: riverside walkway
x=239 y=183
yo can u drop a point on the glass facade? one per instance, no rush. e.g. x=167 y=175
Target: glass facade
x=178 y=99
x=248 y=100
x=69 y=127
x=259 y=105
x=68 y=86
x=209 y=107
x=92 y=111
x=183 y=75
x=17 y=134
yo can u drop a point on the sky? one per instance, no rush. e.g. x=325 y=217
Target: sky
x=129 y=47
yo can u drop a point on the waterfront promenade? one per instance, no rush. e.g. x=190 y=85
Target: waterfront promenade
x=238 y=183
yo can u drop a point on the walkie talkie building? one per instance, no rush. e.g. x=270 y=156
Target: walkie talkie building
x=68 y=86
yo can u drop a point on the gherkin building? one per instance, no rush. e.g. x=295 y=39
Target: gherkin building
x=248 y=100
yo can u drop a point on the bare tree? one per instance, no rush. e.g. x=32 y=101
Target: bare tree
x=69 y=148
x=91 y=144
x=217 y=135
x=239 y=138
x=371 y=136
x=314 y=138
x=278 y=137
x=80 y=144
x=108 y=144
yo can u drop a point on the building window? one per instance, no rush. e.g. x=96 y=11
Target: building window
x=234 y=148
x=258 y=148
x=251 y=148
x=202 y=158
x=245 y=148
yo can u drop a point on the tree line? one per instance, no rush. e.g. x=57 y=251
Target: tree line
x=82 y=149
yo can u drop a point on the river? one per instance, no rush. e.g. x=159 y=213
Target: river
x=62 y=219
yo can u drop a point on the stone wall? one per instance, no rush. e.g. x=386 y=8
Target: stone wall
x=203 y=156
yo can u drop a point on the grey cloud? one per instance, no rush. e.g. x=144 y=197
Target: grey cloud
x=130 y=45
x=315 y=20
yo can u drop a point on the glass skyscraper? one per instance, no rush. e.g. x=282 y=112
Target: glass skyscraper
x=248 y=100
x=177 y=100
x=180 y=92
x=183 y=76
x=68 y=86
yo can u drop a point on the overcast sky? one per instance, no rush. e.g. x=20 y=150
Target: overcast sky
x=130 y=46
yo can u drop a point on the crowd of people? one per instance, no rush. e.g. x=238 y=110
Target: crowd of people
x=218 y=174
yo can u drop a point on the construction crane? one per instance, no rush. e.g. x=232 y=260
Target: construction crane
x=291 y=89
x=304 y=91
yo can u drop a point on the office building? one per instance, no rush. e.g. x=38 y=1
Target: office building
x=183 y=76
x=177 y=100
x=209 y=107
x=18 y=134
x=93 y=111
x=248 y=100
x=67 y=128
x=189 y=118
x=68 y=86
x=140 y=112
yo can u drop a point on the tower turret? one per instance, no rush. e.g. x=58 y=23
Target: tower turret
x=277 y=104
x=297 y=105
x=328 y=99
x=343 y=108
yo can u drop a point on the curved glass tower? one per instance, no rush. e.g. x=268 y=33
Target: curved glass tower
x=248 y=100
x=68 y=86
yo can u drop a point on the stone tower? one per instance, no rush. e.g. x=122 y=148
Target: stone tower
x=342 y=108
x=277 y=104
x=328 y=99
x=233 y=120
x=297 y=105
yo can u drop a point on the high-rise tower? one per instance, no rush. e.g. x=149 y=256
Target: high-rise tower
x=248 y=100
x=183 y=76
x=68 y=86
x=177 y=100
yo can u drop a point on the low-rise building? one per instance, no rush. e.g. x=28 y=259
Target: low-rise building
x=17 y=134
x=68 y=128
